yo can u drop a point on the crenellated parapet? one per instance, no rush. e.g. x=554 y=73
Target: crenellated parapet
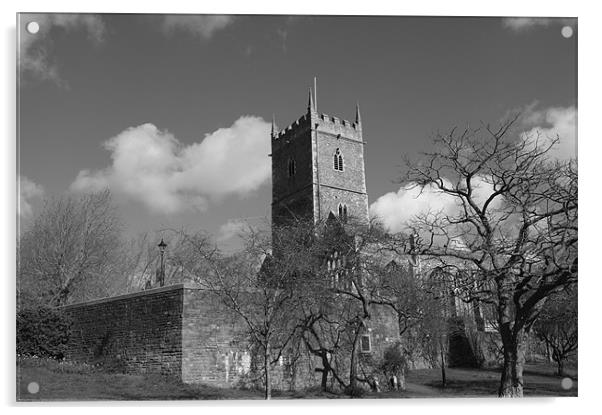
x=337 y=126
x=324 y=123
x=299 y=127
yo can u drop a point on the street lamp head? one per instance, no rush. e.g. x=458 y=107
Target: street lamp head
x=162 y=245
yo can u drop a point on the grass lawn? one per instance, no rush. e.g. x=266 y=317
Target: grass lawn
x=76 y=382
x=540 y=380
x=59 y=382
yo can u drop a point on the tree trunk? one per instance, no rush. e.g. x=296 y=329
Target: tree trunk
x=560 y=371
x=268 y=380
x=324 y=383
x=511 y=385
x=353 y=365
x=443 y=374
x=548 y=354
x=325 y=371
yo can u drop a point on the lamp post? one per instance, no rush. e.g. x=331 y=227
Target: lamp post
x=162 y=245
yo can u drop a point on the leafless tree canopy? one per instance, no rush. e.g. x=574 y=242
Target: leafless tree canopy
x=510 y=240
x=557 y=327
x=71 y=251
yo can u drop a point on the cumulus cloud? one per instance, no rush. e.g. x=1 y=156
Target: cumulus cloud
x=28 y=192
x=153 y=167
x=35 y=49
x=523 y=24
x=396 y=210
x=202 y=26
x=548 y=124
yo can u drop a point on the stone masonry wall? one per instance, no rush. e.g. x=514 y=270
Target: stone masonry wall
x=215 y=343
x=142 y=332
x=189 y=334
x=346 y=187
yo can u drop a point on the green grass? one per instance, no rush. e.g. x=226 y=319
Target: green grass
x=79 y=382
x=539 y=380
x=76 y=382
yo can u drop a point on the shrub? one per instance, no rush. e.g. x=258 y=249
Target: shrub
x=395 y=363
x=354 y=391
x=42 y=332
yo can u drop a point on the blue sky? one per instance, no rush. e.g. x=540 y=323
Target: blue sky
x=172 y=112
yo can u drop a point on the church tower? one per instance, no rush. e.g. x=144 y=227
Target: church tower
x=318 y=169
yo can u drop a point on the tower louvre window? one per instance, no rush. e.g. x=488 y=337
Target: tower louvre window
x=338 y=160
x=292 y=167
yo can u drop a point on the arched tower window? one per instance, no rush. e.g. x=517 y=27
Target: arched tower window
x=292 y=168
x=338 y=160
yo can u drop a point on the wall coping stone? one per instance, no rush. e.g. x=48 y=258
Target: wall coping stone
x=174 y=287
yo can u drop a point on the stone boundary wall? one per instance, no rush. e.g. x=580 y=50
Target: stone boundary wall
x=187 y=333
x=139 y=332
x=181 y=331
x=215 y=342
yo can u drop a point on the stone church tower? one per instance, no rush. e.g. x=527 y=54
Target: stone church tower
x=318 y=169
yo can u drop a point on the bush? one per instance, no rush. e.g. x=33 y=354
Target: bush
x=354 y=391
x=395 y=363
x=42 y=332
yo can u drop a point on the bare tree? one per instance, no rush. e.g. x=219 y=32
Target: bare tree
x=509 y=238
x=71 y=251
x=253 y=288
x=556 y=326
x=353 y=273
x=434 y=326
x=421 y=302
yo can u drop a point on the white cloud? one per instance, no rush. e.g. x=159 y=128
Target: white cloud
x=152 y=166
x=203 y=26
x=28 y=191
x=551 y=123
x=523 y=24
x=34 y=49
x=231 y=229
x=396 y=210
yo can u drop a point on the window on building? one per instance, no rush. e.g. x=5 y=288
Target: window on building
x=365 y=343
x=338 y=160
x=245 y=363
x=292 y=167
